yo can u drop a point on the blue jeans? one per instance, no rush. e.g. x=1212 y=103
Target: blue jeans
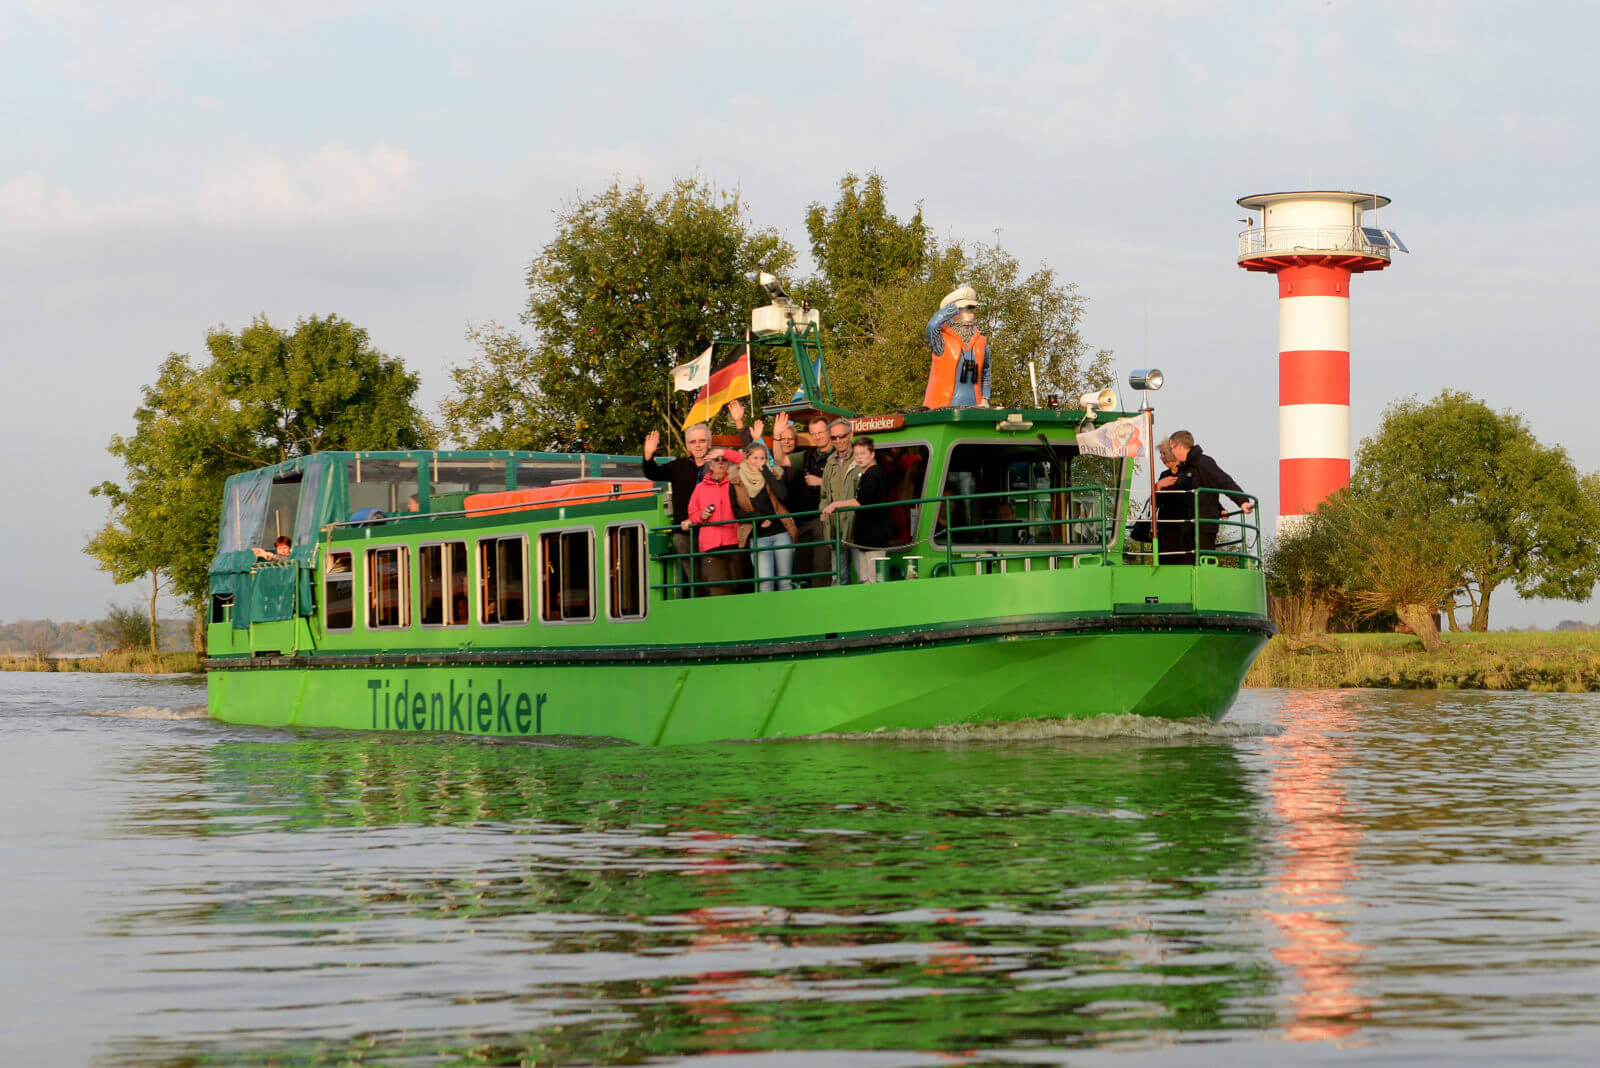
x=774 y=559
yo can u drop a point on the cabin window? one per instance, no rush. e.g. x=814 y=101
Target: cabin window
x=385 y=485
x=338 y=604
x=536 y=474
x=388 y=603
x=625 y=571
x=1009 y=493
x=221 y=607
x=442 y=573
x=568 y=576
x=467 y=476
x=503 y=580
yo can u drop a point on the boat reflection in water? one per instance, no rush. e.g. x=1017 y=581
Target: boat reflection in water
x=427 y=897
x=1319 y=840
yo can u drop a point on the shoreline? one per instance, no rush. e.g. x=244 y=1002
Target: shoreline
x=124 y=663
x=1540 y=662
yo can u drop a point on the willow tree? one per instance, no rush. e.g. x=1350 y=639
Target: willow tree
x=632 y=284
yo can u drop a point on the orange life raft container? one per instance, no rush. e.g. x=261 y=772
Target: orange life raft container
x=566 y=491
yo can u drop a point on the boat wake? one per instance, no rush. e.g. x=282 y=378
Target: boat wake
x=1150 y=728
x=149 y=712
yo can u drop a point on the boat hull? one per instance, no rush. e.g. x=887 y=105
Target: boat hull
x=1174 y=668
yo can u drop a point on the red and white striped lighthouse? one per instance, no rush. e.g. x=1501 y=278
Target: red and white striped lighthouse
x=1313 y=242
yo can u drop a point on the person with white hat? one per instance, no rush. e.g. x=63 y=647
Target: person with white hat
x=960 y=374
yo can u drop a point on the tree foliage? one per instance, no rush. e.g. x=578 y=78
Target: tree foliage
x=635 y=283
x=860 y=247
x=265 y=395
x=881 y=279
x=1518 y=511
x=631 y=285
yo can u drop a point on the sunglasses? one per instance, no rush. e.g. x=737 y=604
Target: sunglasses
x=838 y=437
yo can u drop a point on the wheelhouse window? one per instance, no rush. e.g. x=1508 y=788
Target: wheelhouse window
x=388 y=603
x=442 y=577
x=568 y=576
x=625 y=571
x=1020 y=493
x=338 y=603
x=503 y=580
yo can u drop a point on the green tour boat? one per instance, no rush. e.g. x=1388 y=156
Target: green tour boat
x=536 y=594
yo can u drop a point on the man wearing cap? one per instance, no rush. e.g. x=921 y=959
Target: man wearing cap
x=959 y=377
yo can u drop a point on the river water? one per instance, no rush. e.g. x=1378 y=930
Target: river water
x=1326 y=876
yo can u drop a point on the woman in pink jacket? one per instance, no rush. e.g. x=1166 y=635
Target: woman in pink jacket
x=711 y=503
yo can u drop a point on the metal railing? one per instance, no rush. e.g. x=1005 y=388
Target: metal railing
x=1233 y=537
x=981 y=543
x=1261 y=241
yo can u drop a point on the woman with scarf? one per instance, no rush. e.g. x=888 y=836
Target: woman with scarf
x=758 y=496
x=711 y=504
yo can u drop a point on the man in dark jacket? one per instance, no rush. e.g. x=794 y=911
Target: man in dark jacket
x=683 y=473
x=1204 y=474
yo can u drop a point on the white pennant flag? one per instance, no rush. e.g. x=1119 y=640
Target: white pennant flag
x=695 y=374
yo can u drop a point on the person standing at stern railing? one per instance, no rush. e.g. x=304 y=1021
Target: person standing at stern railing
x=960 y=373
x=1204 y=474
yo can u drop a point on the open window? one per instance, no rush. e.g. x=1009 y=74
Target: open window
x=625 y=571
x=442 y=579
x=905 y=469
x=283 y=506
x=567 y=578
x=338 y=601
x=387 y=486
x=388 y=596
x=503 y=580
x=451 y=476
x=541 y=472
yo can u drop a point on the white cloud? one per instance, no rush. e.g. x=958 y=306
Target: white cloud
x=335 y=183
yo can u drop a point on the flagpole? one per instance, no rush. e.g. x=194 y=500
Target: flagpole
x=754 y=411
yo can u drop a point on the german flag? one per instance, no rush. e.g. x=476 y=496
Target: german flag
x=730 y=383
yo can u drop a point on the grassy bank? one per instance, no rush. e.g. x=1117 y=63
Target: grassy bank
x=1541 y=662
x=139 y=663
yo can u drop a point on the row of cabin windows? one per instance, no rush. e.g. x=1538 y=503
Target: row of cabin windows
x=444 y=582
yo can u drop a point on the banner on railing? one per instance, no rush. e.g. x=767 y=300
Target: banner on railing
x=1120 y=437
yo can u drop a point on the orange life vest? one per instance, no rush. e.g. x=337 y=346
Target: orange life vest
x=942 y=375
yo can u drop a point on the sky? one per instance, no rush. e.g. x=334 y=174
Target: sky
x=168 y=168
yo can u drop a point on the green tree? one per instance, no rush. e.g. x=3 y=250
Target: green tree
x=265 y=395
x=860 y=247
x=631 y=285
x=1025 y=317
x=320 y=386
x=880 y=279
x=1518 y=511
